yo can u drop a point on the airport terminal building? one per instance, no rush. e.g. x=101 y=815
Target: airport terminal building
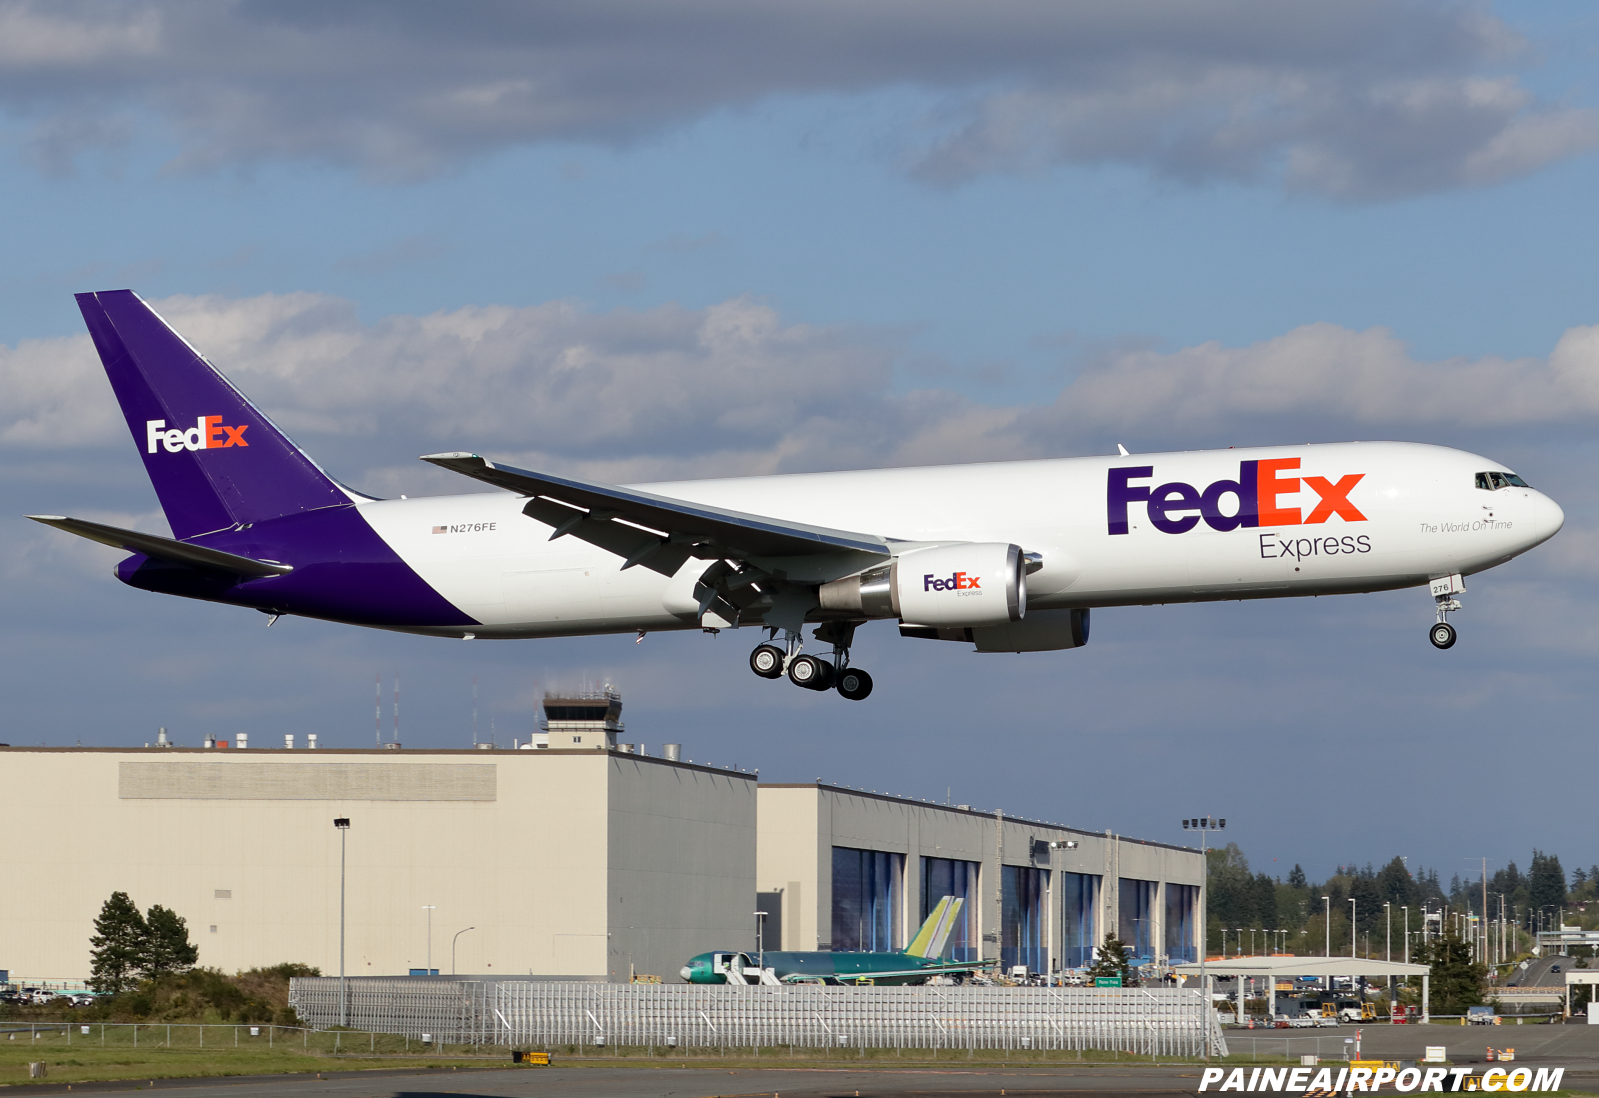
x=591 y=861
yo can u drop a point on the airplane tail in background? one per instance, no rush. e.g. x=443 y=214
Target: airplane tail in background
x=214 y=459
x=935 y=932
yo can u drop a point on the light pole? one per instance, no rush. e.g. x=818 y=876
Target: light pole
x=760 y=940
x=1351 y=928
x=1203 y=824
x=1406 y=909
x=1388 y=914
x=429 y=909
x=1327 y=921
x=342 y=823
x=458 y=934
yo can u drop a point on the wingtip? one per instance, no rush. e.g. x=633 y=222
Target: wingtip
x=47 y=518
x=456 y=456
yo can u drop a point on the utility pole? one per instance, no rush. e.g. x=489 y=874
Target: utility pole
x=1485 y=955
x=1204 y=825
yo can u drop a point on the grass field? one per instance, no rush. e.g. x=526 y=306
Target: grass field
x=159 y=1051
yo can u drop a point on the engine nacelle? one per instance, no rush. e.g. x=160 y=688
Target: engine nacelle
x=955 y=585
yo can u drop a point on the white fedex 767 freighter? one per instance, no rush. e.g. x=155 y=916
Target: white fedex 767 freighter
x=1008 y=557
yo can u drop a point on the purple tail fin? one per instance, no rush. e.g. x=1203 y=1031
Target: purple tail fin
x=214 y=459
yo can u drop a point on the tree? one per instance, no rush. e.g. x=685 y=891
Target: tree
x=1546 y=882
x=1395 y=885
x=1296 y=877
x=1110 y=959
x=166 y=946
x=1457 y=983
x=116 y=945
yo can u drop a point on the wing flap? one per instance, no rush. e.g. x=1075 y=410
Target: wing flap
x=693 y=529
x=178 y=552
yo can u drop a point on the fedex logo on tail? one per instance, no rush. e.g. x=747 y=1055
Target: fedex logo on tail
x=208 y=433
x=1176 y=508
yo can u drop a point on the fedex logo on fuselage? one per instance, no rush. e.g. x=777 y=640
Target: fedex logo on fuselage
x=1176 y=508
x=960 y=581
x=208 y=433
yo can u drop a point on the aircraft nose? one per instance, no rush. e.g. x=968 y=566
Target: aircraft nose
x=1548 y=518
x=685 y=973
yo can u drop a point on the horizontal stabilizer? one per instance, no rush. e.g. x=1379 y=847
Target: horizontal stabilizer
x=178 y=552
x=582 y=507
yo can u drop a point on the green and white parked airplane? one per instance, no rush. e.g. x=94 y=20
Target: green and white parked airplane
x=913 y=965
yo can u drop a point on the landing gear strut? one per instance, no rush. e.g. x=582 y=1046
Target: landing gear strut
x=770 y=661
x=1444 y=590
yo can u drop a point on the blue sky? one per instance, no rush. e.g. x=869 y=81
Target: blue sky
x=941 y=224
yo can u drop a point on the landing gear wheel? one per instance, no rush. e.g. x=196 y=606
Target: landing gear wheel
x=854 y=684
x=1442 y=635
x=810 y=672
x=767 y=661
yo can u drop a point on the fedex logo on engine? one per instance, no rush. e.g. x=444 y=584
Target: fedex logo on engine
x=208 y=433
x=961 y=581
x=1176 y=508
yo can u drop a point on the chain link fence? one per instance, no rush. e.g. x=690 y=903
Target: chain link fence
x=1154 y=1022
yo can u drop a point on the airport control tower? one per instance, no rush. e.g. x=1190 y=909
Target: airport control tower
x=578 y=720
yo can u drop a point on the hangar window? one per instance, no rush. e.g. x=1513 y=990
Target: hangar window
x=1493 y=481
x=1079 y=905
x=950 y=877
x=1137 y=923
x=868 y=892
x=1022 y=906
x=1182 y=904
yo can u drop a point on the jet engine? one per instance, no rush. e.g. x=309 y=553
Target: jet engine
x=975 y=584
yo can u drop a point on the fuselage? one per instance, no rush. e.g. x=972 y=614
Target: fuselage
x=842 y=967
x=475 y=564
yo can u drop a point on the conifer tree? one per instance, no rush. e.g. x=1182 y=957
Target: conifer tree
x=117 y=944
x=1457 y=981
x=1110 y=959
x=166 y=946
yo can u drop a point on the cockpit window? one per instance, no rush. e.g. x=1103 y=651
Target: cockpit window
x=1493 y=481
x=1516 y=482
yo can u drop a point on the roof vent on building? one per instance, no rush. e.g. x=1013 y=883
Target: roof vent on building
x=672 y=752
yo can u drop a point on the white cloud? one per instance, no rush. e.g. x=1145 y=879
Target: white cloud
x=1361 y=99
x=1336 y=376
x=625 y=394
x=632 y=395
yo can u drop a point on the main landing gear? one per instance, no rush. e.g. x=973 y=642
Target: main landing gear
x=812 y=672
x=1444 y=590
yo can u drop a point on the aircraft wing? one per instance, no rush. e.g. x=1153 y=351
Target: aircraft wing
x=178 y=552
x=660 y=532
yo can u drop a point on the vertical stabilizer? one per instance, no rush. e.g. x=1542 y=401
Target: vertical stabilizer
x=935 y=932
x=214 y=459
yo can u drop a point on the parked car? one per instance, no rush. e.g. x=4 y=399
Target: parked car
x=81 y=999
x=1480 y=1016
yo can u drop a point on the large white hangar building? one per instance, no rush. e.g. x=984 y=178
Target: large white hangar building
x=587 y=860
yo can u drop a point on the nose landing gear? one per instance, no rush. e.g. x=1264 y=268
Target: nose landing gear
x=1444 y=590
x=812 y=672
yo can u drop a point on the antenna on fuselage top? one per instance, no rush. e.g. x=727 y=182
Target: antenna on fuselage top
x=1122 y=450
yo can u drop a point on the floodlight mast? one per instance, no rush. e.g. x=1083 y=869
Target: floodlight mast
x=342 y=823
x=1203 y=825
